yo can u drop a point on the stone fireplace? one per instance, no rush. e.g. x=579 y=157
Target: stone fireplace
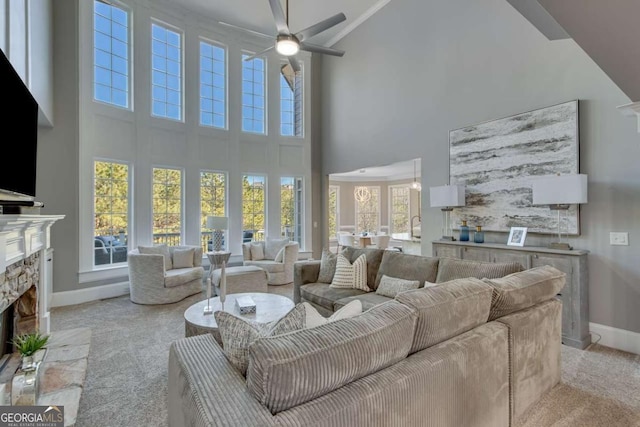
x=19 y=294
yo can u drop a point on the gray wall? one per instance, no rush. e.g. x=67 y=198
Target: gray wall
x=418 y=69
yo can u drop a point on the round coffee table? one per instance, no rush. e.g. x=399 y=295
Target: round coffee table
x=269 y=307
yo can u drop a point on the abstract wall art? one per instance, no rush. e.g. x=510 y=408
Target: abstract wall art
x=498 y=160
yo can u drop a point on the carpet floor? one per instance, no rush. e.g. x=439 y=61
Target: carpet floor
x=126 y=382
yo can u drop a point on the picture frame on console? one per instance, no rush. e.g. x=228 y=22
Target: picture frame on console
x=517 y=236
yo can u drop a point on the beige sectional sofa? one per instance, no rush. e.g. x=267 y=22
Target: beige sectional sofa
x=468 y=352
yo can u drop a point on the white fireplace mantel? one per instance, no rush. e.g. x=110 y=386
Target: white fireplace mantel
x=20 y=237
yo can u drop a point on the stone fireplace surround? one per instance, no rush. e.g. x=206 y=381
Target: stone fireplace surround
x=25 y=282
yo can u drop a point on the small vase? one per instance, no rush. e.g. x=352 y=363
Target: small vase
x=478 y=236
x=464 y=232
x=29 y=363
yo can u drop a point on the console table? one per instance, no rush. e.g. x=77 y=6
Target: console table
x=574 y=296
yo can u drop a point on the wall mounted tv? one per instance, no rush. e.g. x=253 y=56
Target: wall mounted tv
x=20 y=136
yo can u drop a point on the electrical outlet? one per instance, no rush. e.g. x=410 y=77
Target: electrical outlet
x=619 y=238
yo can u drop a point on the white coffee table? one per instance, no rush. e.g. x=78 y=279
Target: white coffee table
x=269 y=307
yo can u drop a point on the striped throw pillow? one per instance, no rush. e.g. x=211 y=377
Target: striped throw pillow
x=349 y=275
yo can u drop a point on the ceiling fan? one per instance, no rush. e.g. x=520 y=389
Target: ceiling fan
x=289 y=44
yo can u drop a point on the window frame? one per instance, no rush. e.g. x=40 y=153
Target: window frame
x=337 y=212
x=265 y=207
x=226 y=206
x=298 y=208
x=265 y=86
x=225 y=48
x=130 y=98
x=182 y=202
x=301 y=76
x=378 y=208
x=391 y=211
x=129 y=214
x=181 y=33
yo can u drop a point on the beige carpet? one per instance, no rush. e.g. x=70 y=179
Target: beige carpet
x=126 y=382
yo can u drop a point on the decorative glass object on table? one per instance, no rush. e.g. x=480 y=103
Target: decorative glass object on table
x=478 y=236
x=447 y=197
x=218 y=224
x=464 y=231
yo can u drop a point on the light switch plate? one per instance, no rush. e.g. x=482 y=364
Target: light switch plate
x=619 y=238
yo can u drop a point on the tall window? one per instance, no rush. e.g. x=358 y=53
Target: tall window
x=333 y=205
x=110 y=54
x=213 y=198
x=167 y=206
x=399 y=204
x=368 y=210
x=212 y=85
x=166 y=73
x=253 y=95
x=291 y=208
x=111 y=212
x=254 y=203
x=290 y=101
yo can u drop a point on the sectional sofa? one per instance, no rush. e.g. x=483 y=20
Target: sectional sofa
x=467 y=352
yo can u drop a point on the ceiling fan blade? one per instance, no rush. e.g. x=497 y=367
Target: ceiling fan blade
x=255 y=55
x=246 y=30
x=294 y=64
x=278 y=16
x=320 y=49
x=320 y=26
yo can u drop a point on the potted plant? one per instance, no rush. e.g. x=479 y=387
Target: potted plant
x=28 y=345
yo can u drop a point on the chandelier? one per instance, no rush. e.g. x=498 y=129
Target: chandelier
x=362 y=194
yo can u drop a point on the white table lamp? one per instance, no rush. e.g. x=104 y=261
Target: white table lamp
x=559 y=192
x=217 y=224
x=447 y=197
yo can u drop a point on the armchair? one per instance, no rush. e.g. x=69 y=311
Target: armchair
x=277 y=258
x=151 y=282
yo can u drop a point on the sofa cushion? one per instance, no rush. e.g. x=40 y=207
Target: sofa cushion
x=267 y=265
x=288 y=370
x=273 y=246
x=183 y=258
x=374 y=258
x=182 y=276
x=524 y=289
x=405 y=266
x=447 y=310
x=452 y=268
x=324 y=295
x=313 y=318
x=351 y=275
x=391 y=286
x=327 y=266
x=158 y=250
x=368 y=300
x=238 y=333
x=257 y=251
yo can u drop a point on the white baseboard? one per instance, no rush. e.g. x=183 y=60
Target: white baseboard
x=60 y=299
x=615 y=338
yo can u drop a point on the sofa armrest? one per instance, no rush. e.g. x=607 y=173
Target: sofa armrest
x=204 y=389
x=304 y=272
x=146 y=270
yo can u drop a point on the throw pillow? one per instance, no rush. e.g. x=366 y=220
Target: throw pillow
x=237 y=333
x=257 y=251
x=428 y=284
x=327 y=266
x=351 y=275
x=273 y=246
x=280 y=256
x=183 y=258
x=158 y=250
x=391 y=286
x=313 y=318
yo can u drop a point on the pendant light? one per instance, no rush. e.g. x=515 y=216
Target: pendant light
x=415 y=185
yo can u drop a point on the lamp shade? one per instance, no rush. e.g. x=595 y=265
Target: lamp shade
x=447 y=196
x=217 y=222
x=560 y=189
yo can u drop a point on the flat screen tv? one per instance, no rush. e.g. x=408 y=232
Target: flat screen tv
x=20 y=136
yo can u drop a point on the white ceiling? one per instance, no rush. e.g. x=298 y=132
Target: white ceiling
x=256 y=15
x=392 y=172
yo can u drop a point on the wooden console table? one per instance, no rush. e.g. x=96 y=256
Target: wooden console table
x=574 y=296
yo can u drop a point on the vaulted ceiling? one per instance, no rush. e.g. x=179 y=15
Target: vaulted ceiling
x=256 y=15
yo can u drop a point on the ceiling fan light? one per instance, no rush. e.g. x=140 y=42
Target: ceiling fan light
x=287 y=46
